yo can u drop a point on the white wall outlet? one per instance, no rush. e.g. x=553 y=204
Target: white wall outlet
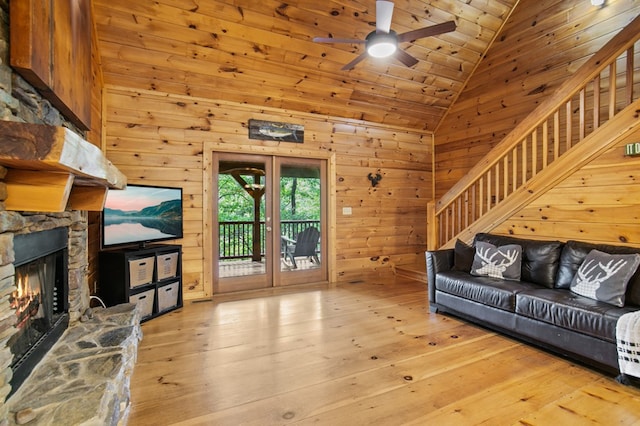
x=347 y=211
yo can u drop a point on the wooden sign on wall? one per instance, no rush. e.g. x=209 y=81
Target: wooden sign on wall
x=273 y=131
x=51 y=49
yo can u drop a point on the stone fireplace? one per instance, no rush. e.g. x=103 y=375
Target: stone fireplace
x=18 y=244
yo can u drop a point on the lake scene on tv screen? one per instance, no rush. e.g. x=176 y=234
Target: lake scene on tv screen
x=140 y=214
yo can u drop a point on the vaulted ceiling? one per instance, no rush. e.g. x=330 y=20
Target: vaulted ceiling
x=261 y=52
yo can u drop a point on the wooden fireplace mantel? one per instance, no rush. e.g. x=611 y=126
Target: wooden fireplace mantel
x=51 y=169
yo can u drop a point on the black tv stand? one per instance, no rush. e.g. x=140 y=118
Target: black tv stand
x=149 y=276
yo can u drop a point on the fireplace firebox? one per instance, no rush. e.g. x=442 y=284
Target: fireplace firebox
x=40 y=300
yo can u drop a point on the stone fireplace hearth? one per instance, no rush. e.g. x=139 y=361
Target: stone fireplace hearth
x=84 y=379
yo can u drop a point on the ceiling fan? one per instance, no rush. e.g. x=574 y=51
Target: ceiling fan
x=383 y=42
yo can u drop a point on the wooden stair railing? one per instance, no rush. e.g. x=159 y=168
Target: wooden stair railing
x=620 y=129
x=599 y=90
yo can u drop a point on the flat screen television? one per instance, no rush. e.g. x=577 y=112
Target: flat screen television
x=141 y=214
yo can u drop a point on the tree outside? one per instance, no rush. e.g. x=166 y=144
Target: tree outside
x=299 y=201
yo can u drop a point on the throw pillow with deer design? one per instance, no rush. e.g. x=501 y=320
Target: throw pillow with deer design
x=502 y=262
x=604 y=276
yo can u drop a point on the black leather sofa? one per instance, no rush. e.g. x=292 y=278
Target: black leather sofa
x=540 y=308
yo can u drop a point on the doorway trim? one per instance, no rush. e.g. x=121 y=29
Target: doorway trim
x=208 y=204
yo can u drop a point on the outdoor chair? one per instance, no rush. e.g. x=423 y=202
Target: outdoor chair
x=304 y=245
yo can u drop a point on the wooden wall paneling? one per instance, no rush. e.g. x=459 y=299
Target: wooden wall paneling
x=591 y=195
x=617 y=234
x=574 y=213
x=178 y=166
x=156 y=137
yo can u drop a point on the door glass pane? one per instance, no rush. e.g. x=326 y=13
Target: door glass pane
x=300 y=214
x=241 y=218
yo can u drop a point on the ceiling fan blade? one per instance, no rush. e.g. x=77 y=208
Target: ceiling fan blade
x=405 y=58
x=384 y=13
x=427 y=31
x=355 y=62
x=337 y=40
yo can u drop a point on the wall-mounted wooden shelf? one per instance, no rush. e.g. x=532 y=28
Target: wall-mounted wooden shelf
x=52 y=168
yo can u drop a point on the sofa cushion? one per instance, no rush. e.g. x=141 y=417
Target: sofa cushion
x=502 y=262
x=604 y=276
x=565 y=309
x=463 y=255
x=486 y=290
x=539 y=258
x=573 y=255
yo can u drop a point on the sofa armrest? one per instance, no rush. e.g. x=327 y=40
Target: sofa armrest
x=437 y=261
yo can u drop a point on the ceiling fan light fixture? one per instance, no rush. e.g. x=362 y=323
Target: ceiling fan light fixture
x=382 y=45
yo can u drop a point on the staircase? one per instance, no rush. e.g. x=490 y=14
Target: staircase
x=592 y=111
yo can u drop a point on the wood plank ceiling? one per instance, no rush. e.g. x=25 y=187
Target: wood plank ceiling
x=261 y=52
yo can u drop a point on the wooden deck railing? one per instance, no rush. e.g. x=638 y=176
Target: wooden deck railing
x=594 y=94
x=236 y=238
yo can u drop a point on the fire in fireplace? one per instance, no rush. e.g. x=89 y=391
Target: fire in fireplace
x=40 y=299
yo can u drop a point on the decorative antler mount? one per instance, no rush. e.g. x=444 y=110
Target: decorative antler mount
x=375 y=179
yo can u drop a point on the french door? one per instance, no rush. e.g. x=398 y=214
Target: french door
x=269 y=221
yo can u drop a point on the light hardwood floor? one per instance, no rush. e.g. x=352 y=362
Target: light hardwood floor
x=355 y=354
